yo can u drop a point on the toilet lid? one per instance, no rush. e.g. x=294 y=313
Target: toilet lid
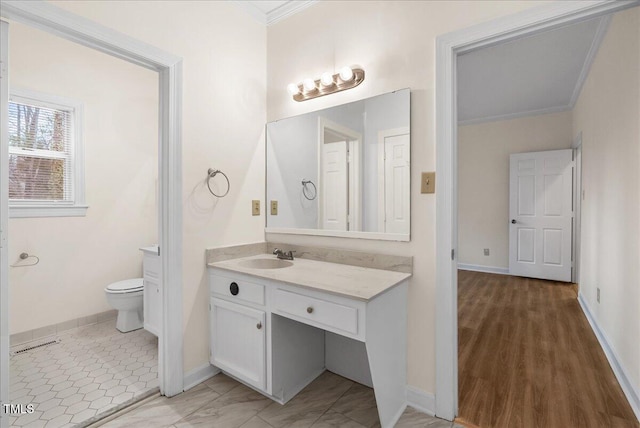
x=126 y=286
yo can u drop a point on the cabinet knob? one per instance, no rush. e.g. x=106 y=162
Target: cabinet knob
x=234 y=289
x=259 y=325
x=310 y=310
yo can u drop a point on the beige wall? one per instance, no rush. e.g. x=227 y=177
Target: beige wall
x=394 y=41
x=79 y=256
x=483 y=179
x=608 y=115
x=224 y=53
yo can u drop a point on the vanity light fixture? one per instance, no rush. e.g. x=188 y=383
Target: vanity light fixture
x=328 y=83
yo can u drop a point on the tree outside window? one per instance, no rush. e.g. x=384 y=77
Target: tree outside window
x=45 y=156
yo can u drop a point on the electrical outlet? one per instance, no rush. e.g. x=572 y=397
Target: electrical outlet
x=486 y=252
x=274 y=207
x=598 y=294
x=255 y=207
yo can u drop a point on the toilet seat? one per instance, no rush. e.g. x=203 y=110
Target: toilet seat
x=125 y=286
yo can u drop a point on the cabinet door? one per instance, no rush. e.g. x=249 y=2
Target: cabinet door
x=151 y=307
x=152 y=301
x=238 y=341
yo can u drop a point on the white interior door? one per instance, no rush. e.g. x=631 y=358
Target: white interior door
x=396 y=182
x=541 y=213
x=4 y=220
x=334 y=186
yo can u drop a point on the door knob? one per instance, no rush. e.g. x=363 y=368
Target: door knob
x=259 y=325
x=310 y=310
x=513 y=221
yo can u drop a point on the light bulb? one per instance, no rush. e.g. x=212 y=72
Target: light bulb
x=309 y=85
x=346 y=74
x=293 y=89
x=326 y=79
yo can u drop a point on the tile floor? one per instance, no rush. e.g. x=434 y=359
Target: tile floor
x=91 y=371
x=329 y=401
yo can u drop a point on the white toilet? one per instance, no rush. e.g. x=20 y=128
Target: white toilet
x=126 y=297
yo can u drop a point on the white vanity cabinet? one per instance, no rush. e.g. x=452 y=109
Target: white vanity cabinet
x=276 y=330
x=238 y=328
x=151 y=270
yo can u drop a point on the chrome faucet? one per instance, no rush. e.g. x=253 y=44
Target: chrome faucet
x=283 y=255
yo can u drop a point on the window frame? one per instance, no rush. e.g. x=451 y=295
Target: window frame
x=77 y=206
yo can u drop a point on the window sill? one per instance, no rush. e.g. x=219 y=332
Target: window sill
x=47 y=211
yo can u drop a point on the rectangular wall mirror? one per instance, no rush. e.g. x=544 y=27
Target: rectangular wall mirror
x=342 y=171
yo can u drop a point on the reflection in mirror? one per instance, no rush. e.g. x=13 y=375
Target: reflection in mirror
x=343 y=170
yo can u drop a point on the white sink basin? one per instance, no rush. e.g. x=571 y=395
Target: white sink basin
x=265 y=263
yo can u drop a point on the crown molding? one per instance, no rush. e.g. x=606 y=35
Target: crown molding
x=283 y=11
x=516 y=115
x=601 y=31
x=289 y=8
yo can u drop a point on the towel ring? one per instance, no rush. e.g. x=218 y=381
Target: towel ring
x=212 y=173
x=25 y=256
x=304 y=189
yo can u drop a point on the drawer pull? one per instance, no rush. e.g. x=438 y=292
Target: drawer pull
x=259 y=325
x=234 y=289
x=310 y=310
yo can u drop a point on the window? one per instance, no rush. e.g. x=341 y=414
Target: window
x=46 y=163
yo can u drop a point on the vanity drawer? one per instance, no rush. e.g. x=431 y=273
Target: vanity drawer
x=321 y=312
x=235 y=289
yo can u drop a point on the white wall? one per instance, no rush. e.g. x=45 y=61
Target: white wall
x=394 y=42
x=483 y=179
x=608 y=115
x=79 y=256
x=224 y=113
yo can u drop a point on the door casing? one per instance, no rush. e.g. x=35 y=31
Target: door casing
x=4 y=221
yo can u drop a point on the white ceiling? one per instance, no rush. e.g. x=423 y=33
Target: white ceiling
x=539 y=74
x=268 y=11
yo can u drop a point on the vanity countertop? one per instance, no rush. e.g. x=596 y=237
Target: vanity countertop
x=151 y=250
x=344 y=280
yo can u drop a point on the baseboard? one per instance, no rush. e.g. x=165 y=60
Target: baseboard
x=424 y=402
x=630 y=391
x=485 y=269
x=61 y=327
x=198 y=375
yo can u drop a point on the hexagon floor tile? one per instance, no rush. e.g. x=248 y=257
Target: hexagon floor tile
x=92 y=369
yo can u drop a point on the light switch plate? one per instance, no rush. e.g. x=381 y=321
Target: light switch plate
x=255 y=207
x=428 y=182
x=274 y=207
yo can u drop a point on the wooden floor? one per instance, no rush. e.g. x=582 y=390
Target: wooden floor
x=528 y=357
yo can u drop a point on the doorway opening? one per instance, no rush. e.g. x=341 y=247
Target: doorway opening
x=449 y=50
x=77 y=29
x=84 y=263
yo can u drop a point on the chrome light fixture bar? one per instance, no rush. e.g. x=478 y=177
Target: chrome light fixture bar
x=327 y=84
